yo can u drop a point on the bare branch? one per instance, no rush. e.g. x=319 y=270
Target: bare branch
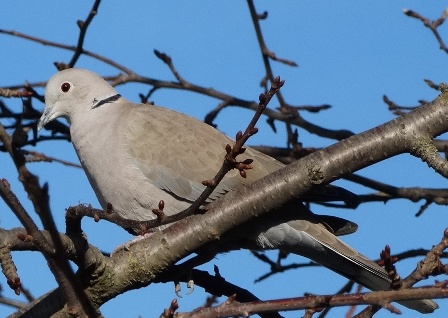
x=83 y=25
x=432 y=25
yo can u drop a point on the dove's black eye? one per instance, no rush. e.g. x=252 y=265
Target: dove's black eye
x=65 y=87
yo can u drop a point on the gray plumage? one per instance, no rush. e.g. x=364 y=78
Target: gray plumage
x=136 y=155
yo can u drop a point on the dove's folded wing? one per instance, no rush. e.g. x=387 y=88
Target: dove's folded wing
x=177 y=152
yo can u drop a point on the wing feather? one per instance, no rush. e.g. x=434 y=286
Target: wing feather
x=177 y=160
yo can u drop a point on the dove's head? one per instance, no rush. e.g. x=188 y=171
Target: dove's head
x=75 y=90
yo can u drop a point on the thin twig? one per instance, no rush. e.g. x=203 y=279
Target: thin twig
x=432 y=25
x=82 y=33
x=65 y=47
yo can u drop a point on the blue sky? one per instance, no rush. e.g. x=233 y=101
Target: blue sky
x=349 y=55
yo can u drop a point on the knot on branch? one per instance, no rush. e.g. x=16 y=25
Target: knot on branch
x=315 y=174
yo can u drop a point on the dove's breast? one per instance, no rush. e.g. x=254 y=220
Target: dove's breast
x=100 y=143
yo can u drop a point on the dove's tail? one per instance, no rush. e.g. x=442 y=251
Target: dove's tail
x=361 y=270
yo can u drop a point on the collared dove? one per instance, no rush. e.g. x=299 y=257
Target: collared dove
x=135 y=155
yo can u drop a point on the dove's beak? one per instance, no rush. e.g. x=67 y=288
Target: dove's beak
x=45 y=118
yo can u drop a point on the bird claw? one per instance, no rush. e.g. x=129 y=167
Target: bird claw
x=190 y=286
x=178 y=288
